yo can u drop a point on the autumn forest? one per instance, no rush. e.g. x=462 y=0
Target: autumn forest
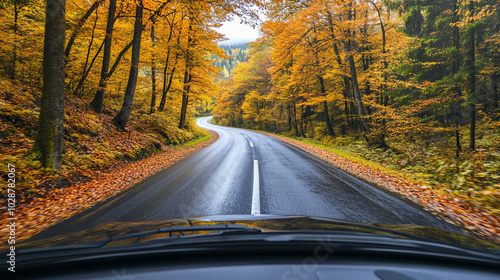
x=408 y=85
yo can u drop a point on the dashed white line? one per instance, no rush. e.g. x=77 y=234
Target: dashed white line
x=256 y=190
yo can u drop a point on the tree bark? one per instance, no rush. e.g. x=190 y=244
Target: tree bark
x=295 y=119
x=49 y=137
x=187 y=76
x=347 y=82
x=129 y=45
x=171 y=77
x=185 y=98
x=329 y=126
x=472 y=82
x=165 y=90
x=89 y=49
x=14 y=58
x=357 y=96
x=98 y=100
x=457 y=137
x=456 y=68
x=153 y=71
x=121 y=118
x=118 y=58
x=494 y=86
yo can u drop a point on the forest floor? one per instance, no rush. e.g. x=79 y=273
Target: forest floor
x=453 y=206
x=99 y=161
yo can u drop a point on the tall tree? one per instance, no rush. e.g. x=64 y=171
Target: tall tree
x=349 y=41
x=472 y=77
x=187 y=72
x=18 y=6
x=98 y=100
x=49 y=136
x=153 y=70
x=121 y=118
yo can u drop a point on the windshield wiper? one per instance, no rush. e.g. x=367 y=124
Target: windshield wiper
x=212 y=229
x=216 y=229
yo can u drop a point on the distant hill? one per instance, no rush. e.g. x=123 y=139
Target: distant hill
x=237 y=53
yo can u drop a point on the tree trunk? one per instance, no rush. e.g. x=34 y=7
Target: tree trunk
x=98 y=100
x=89 y=49
x=165 y=90
x=185 y=98
x=456 y=37
x=187 y=76
x=49 y=136
x=331 y=132
x=295 y=119
x=329 y=126
x=121 y=118
x=348 y=48
x=347 y=83
x=86 y=73
x=472 y=82
x=171 y=77
x=494 y=86
x=457 y=138
x=355 y=86
x=153 y=72
x=118 y=58
x=14 y=58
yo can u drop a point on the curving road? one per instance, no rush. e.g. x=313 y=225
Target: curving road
x=245 y=172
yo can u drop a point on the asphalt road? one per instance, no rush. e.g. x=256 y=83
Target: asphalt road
x=246 y=172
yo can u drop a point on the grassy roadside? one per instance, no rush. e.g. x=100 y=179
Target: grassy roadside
x=205 y=137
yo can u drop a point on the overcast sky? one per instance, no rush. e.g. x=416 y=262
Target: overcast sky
x=238 y=33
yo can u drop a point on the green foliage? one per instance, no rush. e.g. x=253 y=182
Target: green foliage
x=473 y=176
x=168 y=129
x=30 y=174
x=204 y=136
x=235 y=53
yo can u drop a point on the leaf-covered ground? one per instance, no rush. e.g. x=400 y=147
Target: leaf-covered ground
x=454 y=209
x=61 y=203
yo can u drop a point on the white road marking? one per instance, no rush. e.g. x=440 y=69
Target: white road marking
x=251 y=144
x=256 y=190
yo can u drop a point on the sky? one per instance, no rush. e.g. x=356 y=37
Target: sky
x=238 y=33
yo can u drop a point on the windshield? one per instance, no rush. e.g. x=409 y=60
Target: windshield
x=126 y=116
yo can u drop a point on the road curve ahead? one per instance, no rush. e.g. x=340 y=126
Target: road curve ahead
x=246 y=172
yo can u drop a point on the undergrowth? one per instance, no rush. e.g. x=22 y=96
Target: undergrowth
x=474 y=176
x=91 y=142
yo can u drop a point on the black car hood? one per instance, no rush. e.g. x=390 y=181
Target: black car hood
x=267 y=223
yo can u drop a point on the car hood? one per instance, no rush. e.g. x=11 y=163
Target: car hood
x=267 y=223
